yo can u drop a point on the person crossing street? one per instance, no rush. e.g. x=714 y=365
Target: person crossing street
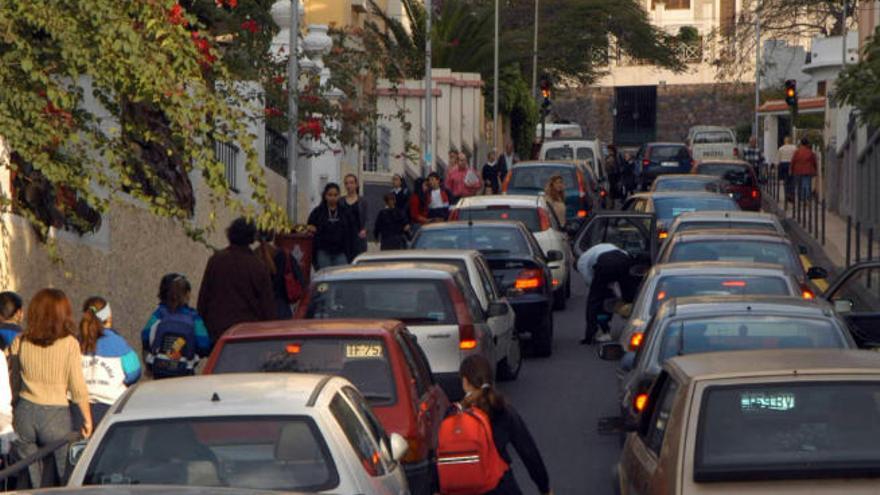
x=605 y=268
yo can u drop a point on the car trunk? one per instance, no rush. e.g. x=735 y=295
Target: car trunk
x=506 y=270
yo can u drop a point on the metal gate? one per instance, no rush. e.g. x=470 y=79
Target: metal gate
x=635 y=118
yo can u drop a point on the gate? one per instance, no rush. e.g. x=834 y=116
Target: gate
x=635 y=120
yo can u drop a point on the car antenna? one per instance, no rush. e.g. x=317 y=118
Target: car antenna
x=215 y=397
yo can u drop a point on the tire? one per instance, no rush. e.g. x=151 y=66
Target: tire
x=506 y=370
x=559 y=299
x=543 y=342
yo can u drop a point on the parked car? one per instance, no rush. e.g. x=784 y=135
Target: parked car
x=435 y=302
x=758 y=422
x=668 y=205
x=693 y=325
x=381 y=358
x=265 y=431
x=539 y=218
x=690 y=183
x=726 y=220
x=741 y=177
x=518 y=265
x=656 y=159
x=588 y=153
x=712 y=143
x=530 y=178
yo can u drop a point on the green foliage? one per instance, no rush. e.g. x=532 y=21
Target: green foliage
x=515 y=100
x=857 y=84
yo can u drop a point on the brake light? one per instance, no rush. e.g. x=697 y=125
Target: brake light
x=555 y=282
x=582 y=213
x=640 y=402
x=663 y=234
x=454 y=214
x=755 y=193
x=543 y=219
x=467 y=337
x=661 y=295
x=734 y=283
x=529 y=279
x=603 y=192
x=293 y=348
x=582 y=188
x=506 y=183
x=807 y=294
x=646 y=162
x=635 y=341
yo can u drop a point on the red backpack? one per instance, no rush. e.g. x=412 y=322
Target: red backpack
x=467 y=461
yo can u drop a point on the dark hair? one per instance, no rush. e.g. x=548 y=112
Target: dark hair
x=433 y=175
x=389 y=198
x=90 y=327
x=49 y=318
x=173 y=291
x=241 y=232
x=805 y=142
x=357 y=183
x=402 y=180
x=10 y=303
x=330 y=185
x=477 y=370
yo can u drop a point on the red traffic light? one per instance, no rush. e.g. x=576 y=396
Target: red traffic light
x=545 y=92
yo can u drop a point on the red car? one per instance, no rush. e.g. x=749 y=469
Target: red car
x=380 y=357
x=741 y=178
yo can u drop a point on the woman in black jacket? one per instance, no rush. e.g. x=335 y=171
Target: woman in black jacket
x=334 y=230
x=391 y=226
x=508 y=427
x=401 y=194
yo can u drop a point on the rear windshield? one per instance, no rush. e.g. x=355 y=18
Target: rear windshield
x=363 y=361
x=490 y=240
x=669 y=208
x=746 y=251
x=685 y=184
x=408 y=300
x=736 y=174
x=742 y=333
x=789 y=430
x=536 y=178
x=717 y=285
x=528 y=216
x=584 y=154
x=668 y=153
x=561 y=153
x=458 y=263
x=728 y=224
x=713 y=137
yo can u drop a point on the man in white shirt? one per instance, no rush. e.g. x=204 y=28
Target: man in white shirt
x=783 y=157
x=438 y=198
x=603 y=267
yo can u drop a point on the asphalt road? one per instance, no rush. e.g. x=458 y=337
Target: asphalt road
x=561 y=399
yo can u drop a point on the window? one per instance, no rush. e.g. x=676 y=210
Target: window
x=476 y=309
x=743 y=251
x=418 y=379
x=412 y=301
x=487 y=280
x=672 y=286
x=737 y=175
x=654 y=431
x=276 y=151
x=669 y=208
x=725 y=224
x=822 y=88
x=374 y=426
x=528 y=216
x=673 y=4
x=502 y=240
x=630 y=234
x=860 y=290
x=535 y=178
x=377 y=156
x=420 y=359
x=359 y=438
x=227 y=154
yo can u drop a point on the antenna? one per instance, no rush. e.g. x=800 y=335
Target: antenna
x=215 y=397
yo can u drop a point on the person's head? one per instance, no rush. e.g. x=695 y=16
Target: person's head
x=434 y=180
x=492 y=156
x=627 y=155
x=787 y=140
x=351 y=184
x=555 y=188
x=478 y=382
x=390 y=200
x=462 y=159
x=397 y=181
x=453 y=158
x=508 y=147
x=241 y=232
x=753 y=141
x=330 y=196
x=805 y=142
x=97 y=316
x=49 y=318
x=174 y=291
x=10 y=307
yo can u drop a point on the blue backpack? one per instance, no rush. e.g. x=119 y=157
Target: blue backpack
x=173 y=345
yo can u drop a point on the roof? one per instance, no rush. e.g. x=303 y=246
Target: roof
x=493 y=200
x=699 y=128
x=732 y=268
x=545 y=163
x=390 y=270
x=730 y=161
x=351 y=326
x=732 y=214
x=665 y=143
x=759 y=304
x=426 y=254
x=665 y=177
x=474 y=223
x=734 y=234
x=679 y=194
x=564 y=141
x=775 y=362
x=150 y=490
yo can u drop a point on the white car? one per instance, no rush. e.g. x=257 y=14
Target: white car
x=714 y=220
x=263 y=431
x=586 y=152
x=712 y=143
x=538 y=217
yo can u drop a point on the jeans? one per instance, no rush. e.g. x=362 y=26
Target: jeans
x=323 y=259
x=610 y=267
x=804 y=185
x=36 y=426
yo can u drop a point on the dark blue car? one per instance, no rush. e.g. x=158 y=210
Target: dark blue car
x=656 y=159
x=530 y=178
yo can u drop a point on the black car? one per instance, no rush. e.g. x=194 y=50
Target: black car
x=656 y=159
x=517 y=263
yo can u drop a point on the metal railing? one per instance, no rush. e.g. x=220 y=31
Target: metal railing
x=276 y=152
x=227 y=154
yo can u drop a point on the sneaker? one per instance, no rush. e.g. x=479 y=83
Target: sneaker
x=603 y=337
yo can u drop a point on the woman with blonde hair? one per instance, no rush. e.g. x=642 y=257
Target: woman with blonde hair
x=554 y=193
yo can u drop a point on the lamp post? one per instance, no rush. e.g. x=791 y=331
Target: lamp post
x=429 y=99
x=495 y=85
x=292 y=110
x=757 y=123
x=535 y=55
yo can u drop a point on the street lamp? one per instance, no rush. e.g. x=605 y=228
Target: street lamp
x=495 y=85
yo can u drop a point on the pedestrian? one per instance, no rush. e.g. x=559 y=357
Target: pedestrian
x=461 y=180
x=492 y=174
x=109 y=364
x=401 y=194
x=11 y=314
x=418 y=204
x=783 y=157
x=359 y=213
x=554 y=194
x=605 y=268
x=506 y=160
x=334 y=230
x=45 y=372
x=628 y=174
x=755 y=157
x=508 y=428
x=236 y=286
x=288 y=282
x=804 y=166
x=439 y=198
x=612 y=170
x=165 y=355
x=391 y=227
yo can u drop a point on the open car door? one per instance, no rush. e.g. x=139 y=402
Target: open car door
x=856 y=297
x=635 y=233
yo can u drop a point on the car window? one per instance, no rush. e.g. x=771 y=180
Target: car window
x=725 y=224
x=713 y=137
x=420 y=359
x=501 y=240
x=629 y=234
x=283 y=453
x=668 y=153
x=655 y=431
x=669 y=208
x=672 y=286
x=488 y=278
x=527 y=215
x=409 y=300
x=861 y=290
x=374 y=426
x=360 y=439
x=560 y=153
x=473 y=303
x=415 y=371
x=585 y=154
x=734 y=173
x=457 y=263
x=536 y=178
x=684 y=184
x=746 y=251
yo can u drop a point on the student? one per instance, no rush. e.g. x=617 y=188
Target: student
x=418 y=204
x=391 y=228
x=166 y=356
x=109 y=364
x=11 y=314
x=554 y=194
x=438 y=198
x=359 y=212
x=401 y=193
x=334 y=230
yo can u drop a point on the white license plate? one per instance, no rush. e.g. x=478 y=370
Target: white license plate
x=668 y=164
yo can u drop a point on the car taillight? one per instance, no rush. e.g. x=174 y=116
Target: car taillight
x=662 y=234
x=467 y=337
x=582 y=188
x=603 y=192
x=755 y=193
x=529 y=279
x=640 y=402
x=646 y=162
x=543 y=219
x=582 y=213
x=734 y=283
x=454 y=214
x=807 y=293
x=635 y=341
x=414 y=452
x=506 y=183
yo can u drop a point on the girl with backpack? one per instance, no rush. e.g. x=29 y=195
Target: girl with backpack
x=109 y=364
x=175 y=338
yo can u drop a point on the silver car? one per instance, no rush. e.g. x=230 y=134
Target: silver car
x=713 y=220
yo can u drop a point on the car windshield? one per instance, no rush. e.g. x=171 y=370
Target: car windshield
x=668 y=153
x=496 y=240
x=409 y=300
x=713 y=137
x=536 y=178
x=363 y=361
x=528 y=216
x=260 y=453
x=686 y=184
x=735 y=173
x=669 y=208
x=725 y=225
x=585 y=154
x=741 y=333
x=672 y=286
x=788 y=430
x=456 y=262
x=560 y=153
x=729 y=249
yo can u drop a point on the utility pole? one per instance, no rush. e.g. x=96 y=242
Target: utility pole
x=429 y=97
x=535 y=56
x=292 y=110
x=844 y=31
x=757 y=123
x=495 y=85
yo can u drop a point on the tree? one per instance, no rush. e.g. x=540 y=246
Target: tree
x=857 y=84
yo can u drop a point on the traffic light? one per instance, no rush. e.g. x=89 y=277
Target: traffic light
x=545 y=94
x=791 y=97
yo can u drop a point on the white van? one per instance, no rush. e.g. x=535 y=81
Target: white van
x=566 y=131
x=712 y=143
x=587 y=152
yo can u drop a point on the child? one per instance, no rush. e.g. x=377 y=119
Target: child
x=11 y=314
x=109 y=364
x=175 y=338
x=391 y=226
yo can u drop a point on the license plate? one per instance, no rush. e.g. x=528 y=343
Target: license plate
x=712 y=153
x=669 y=164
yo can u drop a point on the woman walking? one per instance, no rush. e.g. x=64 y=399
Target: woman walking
x=401 y=193
x=418 y=204
x=333 y=229
x=390 y=229
x=359 y=213
x=46 y=368
x=554 y=194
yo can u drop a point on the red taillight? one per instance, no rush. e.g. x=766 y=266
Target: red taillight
x=543 y=219
x=603 y=192
x=646 y=162
x=808 y=294
x=506 y=183
x=734 y=283
x=467 y=337
x=755 y=193
x=635 y=341
x=582 y=188
x=582 y=213
x=662 y=234
x=640 y=402
x=529 y=279
x=293 y=348
x=454 y=214
x=661 y=295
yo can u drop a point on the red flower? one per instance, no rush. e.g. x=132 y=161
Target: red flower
x=204 y=48
x=311 y=127
x=279 y=80
x=175 y=15
x=273 y=112
x=250 y=25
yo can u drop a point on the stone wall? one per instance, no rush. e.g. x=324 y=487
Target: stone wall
x=590 y=107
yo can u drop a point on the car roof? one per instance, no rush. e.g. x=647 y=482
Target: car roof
x=725 y=234
x=757 y=304
x=320 y=327
x=775 y=362
x=390 y=270
x=698 y=128
x=565 y=141
x=728 y=215
x=545 y=163
x=678 y=194
x=666 y=177
x=500 y=199
x=733 y=268
x=422 y=254
x=664 y=143
x=151 y=490
x=724 y=162
x=473 y=223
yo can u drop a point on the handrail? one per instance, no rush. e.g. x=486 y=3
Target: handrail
x=44 y=451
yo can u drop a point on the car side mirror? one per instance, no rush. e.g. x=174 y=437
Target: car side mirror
x=75 y=452
x=611 y=351
x=624 y=310
x=627 y=363
x=497 y=308
x=817 y=272
x=555 y=255
x=399 y=446
x=803 y=249
x=843 y=306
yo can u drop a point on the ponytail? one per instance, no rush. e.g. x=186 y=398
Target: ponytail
x=91 y=327
x=478 y=372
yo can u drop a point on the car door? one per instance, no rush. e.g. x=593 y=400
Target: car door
x=856 y=297
x=488 y=341
x=635 y=233
x=502 y=326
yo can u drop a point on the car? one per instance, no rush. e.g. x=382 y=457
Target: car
x=264 y=431
x=691 y=325
x=671 y=280
x=588 y=152
x=150 y=490
x=435 y=302
x=565 y=130
x=759 y=422
x=726 y=220
x=668 y=205
x=538 y=217
x=743 y=246
x=854 y=296
x=712 y=143
x=530 y=178
x=741 y=177
x=689 y=182
x=519 y=267
x=656 y=159
x=380 y=357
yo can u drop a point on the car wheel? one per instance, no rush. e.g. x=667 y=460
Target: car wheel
x=508 y=368
x=543 y=342
x=559 y=299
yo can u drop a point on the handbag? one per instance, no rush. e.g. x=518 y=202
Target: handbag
x=471 y=179
x=292 y=286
